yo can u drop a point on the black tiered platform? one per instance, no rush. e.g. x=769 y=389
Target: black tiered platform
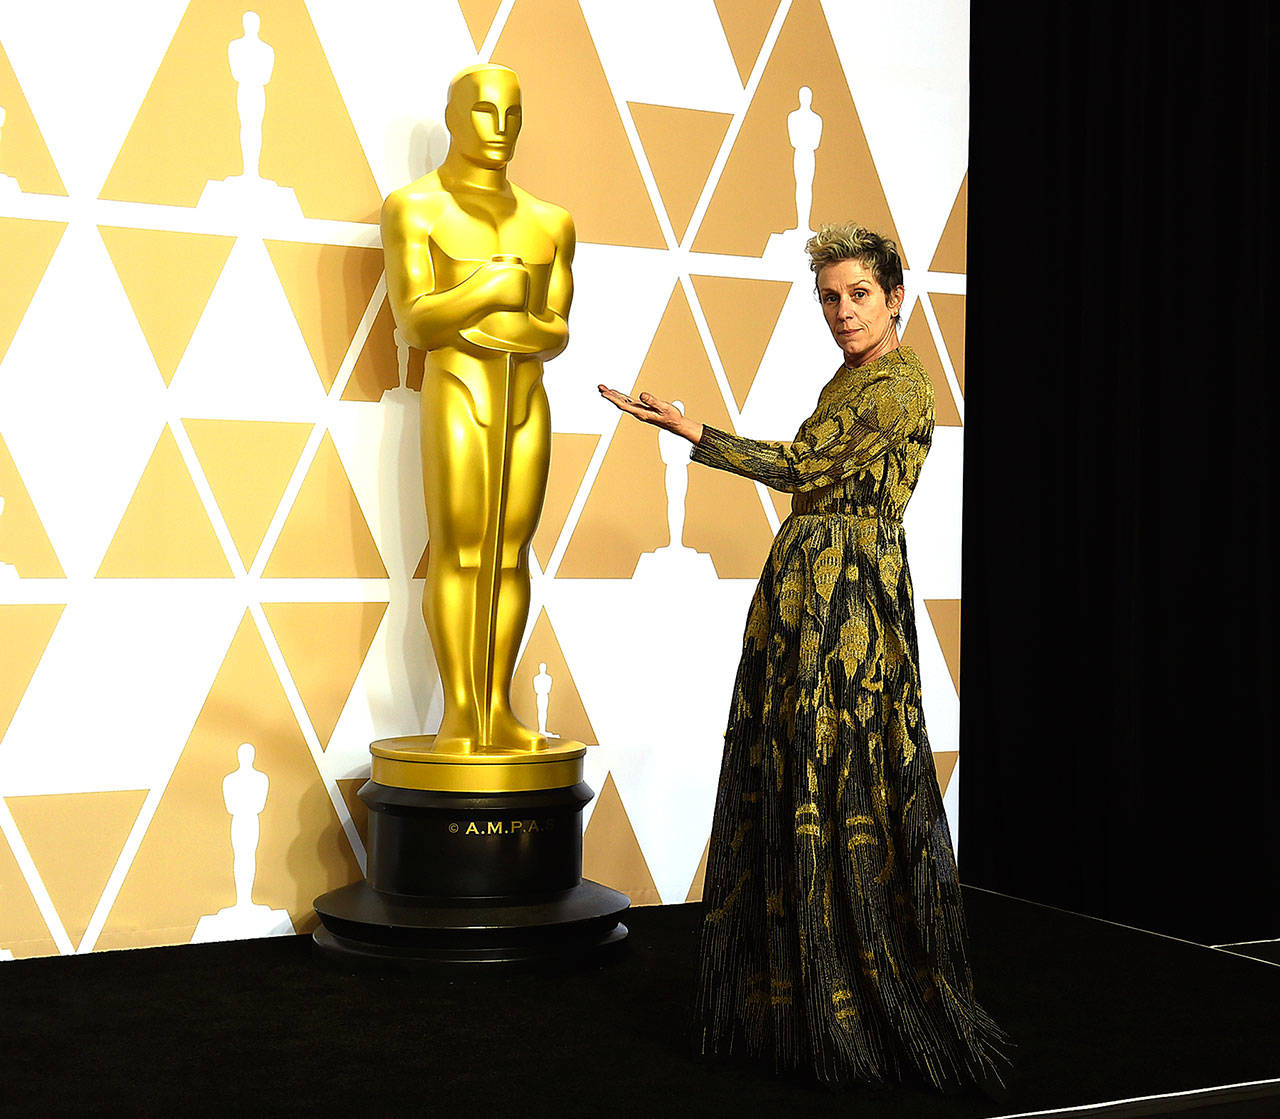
x=471 y=878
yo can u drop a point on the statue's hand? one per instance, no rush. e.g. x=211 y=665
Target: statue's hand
x=504 y=284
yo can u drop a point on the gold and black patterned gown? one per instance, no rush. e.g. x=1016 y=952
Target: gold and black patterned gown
x=833 y=939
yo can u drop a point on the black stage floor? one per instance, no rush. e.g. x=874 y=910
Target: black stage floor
x=1101 y=1014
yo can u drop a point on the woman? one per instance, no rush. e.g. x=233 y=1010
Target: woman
x=833 y=939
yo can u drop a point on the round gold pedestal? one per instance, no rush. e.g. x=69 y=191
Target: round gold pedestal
x=413 y=762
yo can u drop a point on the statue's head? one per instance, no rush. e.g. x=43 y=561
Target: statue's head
x=483 y=114
x=251 y=23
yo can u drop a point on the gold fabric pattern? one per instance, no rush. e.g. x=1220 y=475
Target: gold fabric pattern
x=828 y=808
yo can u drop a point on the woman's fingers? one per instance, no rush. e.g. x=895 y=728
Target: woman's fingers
x=638 y=408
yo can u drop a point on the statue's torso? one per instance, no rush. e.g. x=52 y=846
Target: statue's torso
x=459 y=232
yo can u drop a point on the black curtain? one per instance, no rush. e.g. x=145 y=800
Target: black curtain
x=1118 y=737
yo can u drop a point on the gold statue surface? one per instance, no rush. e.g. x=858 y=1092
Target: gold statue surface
x=478 y=273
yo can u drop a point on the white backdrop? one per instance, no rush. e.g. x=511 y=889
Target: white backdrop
x=212 y=516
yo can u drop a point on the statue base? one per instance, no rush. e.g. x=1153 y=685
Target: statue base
x=471 y=877
x=418 y=761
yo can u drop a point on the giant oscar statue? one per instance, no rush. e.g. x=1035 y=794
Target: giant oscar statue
x=475 y=833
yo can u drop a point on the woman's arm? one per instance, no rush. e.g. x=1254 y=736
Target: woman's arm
x=884 y=414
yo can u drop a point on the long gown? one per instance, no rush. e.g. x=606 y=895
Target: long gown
x=833 y=939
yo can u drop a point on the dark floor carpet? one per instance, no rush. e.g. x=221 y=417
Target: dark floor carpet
x=1099 y=1013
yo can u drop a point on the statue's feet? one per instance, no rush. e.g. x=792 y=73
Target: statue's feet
x=507 y=735
x=457 y=736
x=510 y=735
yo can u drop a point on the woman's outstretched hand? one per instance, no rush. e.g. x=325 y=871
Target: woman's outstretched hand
x=651 y=410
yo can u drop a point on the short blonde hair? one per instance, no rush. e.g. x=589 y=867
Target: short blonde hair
x=850 y=241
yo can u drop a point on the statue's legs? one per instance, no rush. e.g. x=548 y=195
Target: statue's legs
x=528 y=464
x=456 y=481
x=471 y=508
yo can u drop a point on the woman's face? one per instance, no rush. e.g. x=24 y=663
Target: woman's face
x=858 y=312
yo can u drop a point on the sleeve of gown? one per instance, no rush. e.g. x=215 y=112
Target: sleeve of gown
x=888 y=410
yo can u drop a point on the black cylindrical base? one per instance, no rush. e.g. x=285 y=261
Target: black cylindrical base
x=463 y=878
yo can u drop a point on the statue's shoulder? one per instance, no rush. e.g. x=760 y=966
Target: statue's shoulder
x=416 y=203
x=554 y=218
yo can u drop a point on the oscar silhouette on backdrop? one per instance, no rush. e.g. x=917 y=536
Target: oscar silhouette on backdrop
x=674 y=452
x=252 y=62
x=804 y=131
x=542 y=696
x=478 y=272
x=244 y=792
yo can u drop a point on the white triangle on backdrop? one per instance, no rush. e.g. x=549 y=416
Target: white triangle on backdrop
x=951 y=805
x=608 y=335
x=81 y=401
x=697 y=68
x=86 y=82
x=923 y=138
x=799 y=360
x=134 y=660
x=941 y=704
x=934 y=514
x=396 y=106
x=247 y=358
x=658 y=699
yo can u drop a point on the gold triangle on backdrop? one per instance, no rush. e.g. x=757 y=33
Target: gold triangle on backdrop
x=328 y=287
x=349 y=787
x=168 y=278
x=626 y=511
x=24 y=933
x=74 y=840
x=742 y=315
x=24 y=544
x=782 y=503
x=28 y=248
x=248 y=464
x=479 y=16
x=165 y=532
x=183 y=868
x=699 y=883
x=187 y=130
x=325 y=535
x=944 y=613
x=420 y=572
x=944 y=761
x=23 y=154
x=920 y=338
x=377 y=369
x=27 y=629
x=756 y=193
x=573 y=140
x=950 y=312
x=681 y=145
x=324 y=645
x=951 y=253
x=611 y=854
x=746 y=23
x=570 y=456
x=566 y=716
